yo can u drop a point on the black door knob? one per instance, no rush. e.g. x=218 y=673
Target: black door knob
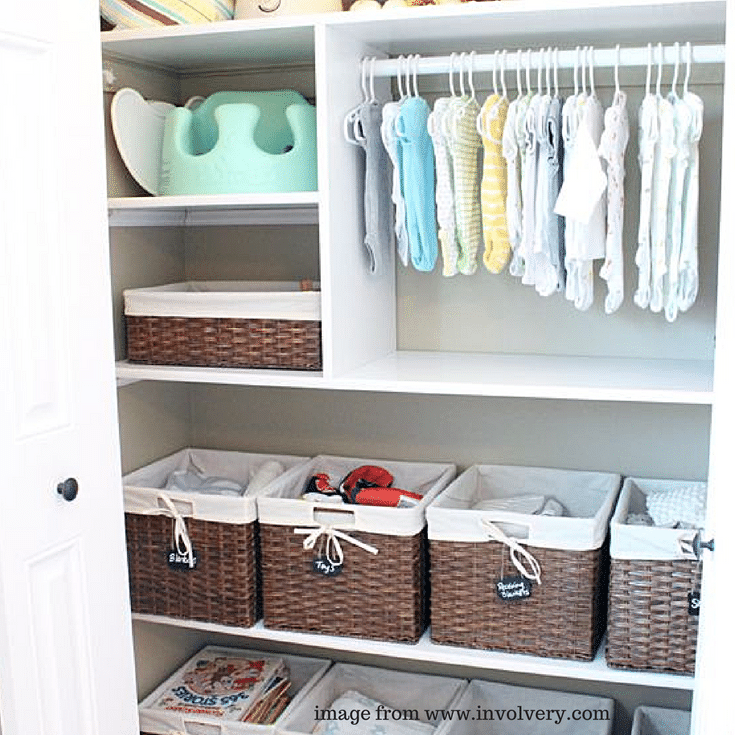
x=68 y=489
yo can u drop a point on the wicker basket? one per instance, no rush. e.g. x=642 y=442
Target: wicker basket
x=564 y=616
x=225 y=324
x=303 y=673
x=223 y=587
x=660 y=721
x=650 y=626
x=502 y=709
x=382 y=595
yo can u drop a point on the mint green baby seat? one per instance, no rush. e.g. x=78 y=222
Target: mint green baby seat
x=240 y=142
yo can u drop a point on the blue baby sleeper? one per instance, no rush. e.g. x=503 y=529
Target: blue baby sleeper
x=417 y=167
x=240 y=142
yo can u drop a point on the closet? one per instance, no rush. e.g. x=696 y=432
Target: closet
x=417 y=366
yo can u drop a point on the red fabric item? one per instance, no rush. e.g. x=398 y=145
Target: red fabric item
x=385 y=496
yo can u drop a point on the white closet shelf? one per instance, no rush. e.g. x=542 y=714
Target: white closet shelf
x=280 y=40
x=290 y=39
x=289 y=208
x=514 y=376
x=538 y=376
x=426 y=650
x=128 y=373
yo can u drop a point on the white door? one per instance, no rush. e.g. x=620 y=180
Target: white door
x=66 y=656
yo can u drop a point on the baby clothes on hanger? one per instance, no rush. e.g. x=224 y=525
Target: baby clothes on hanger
x=494 y=186
x=592 y=233
x=546 y=235
x=612 y=147
x=390 y=141
x=512 y=157
x=688 y=260
x=417 y=168
x=679 y=166
x=569 y=125
x=444 y=188
x=663 y=155
x=529 y=184
x=647 y=137
x=377 y=207
x=581 y=199
x=464 y=146
x=517 y=264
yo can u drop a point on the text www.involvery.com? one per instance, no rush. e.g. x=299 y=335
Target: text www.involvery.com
x=479 y=714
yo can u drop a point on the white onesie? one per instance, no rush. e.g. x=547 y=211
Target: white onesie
x=612 y=149
x=688 y=260
x=663 y=155
x=679 y=168
x=444 y=188
x=647 y=137
x=517 y=266
x=513 y=162
x=529 y=183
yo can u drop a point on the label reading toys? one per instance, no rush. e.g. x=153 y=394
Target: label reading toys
x=512 y=589
x=177 y=560
x=694 y=603
x=322 y=565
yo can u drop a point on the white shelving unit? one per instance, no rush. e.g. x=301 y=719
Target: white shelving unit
x=374 y=328
x=425 y=650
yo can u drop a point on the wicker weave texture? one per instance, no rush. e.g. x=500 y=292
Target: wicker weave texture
x=649 y=625
x=382 y=596
x=215 y=342
x=563 y=618
x=221 y=589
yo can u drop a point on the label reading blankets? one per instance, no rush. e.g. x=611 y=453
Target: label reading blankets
x=512 y=589
x=177 y=560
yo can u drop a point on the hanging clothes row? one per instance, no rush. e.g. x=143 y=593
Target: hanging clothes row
x=537 y=182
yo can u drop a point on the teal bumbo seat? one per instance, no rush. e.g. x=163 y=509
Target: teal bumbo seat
x=240 y=142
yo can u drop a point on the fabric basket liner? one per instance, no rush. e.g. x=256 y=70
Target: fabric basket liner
x=486 y=695
x=304 y=673
x=142 y=487
x=645 y=542
x=226 y=300
x=395 y=689
x=660 y=721
x=281 y=504
x=588 y=496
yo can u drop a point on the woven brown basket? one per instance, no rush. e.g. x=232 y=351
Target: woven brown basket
x=220 y=342
x=649 y=625
x=563 y=618
x=221 y=589
x=382 y=596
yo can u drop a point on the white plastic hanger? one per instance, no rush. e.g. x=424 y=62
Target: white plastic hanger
x=591 y=62
x=576 y=71
x=502 y=73
x=348 y=124
x=660 y=69
x=556 y=71
x=519 y=83
x=528 y=72
x=676 y=71
x=648 y=70
x=617 y=71
x=689 y=67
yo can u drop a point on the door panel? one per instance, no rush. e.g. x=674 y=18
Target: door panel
x=66 y=658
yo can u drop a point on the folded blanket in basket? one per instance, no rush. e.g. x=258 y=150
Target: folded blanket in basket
x=347 y=717
x=529 y=504
x=682 y=507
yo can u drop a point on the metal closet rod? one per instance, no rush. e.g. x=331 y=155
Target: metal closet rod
x=565 y=59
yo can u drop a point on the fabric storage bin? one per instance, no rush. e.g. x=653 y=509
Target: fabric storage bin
x=249 y=324
x=502 y=709
x=408 y=694
x=295 y=533
x=472 y=552
x=216 y=681
x=660 y=721
x=653 y=570
x=223 y=586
